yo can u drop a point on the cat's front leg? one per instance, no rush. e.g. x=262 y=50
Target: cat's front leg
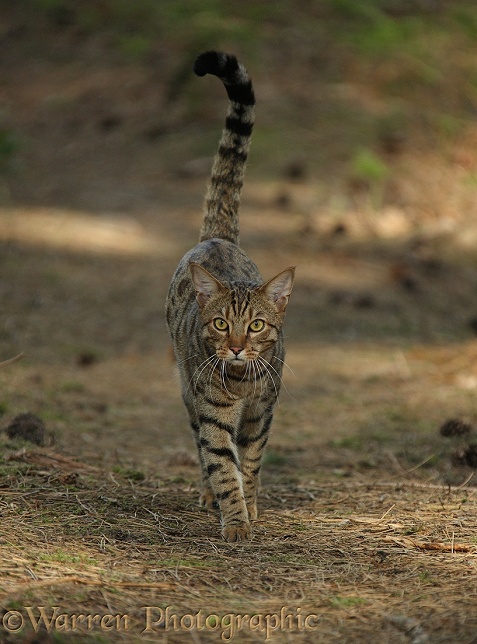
x=206 y=498
x=221 y=461
x=251 y=442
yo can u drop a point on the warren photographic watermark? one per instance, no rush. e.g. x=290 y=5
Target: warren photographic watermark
x=153 y=621
x=289 y=620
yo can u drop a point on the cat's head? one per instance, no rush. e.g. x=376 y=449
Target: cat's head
x=241 y=322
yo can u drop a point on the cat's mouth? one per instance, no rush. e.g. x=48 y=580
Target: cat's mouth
x=237 y=359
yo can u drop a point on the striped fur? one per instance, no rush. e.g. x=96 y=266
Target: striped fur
x=225 y=324
x=223 y=196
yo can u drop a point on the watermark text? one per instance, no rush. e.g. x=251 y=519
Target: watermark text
x=154 y=621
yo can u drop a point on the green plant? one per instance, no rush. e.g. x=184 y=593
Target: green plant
x=129 y=473
x=274 y=458
x=370 y=170
x=72 y=386
x=367 y=166
x=346 y=602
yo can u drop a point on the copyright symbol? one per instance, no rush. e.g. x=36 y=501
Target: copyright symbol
x=13 y=621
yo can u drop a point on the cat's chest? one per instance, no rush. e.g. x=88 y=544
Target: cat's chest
x=228 y=384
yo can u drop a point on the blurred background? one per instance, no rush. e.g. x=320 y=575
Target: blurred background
x=363 y=171
x=372 y=102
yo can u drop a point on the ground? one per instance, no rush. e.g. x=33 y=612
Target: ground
x=367 y=525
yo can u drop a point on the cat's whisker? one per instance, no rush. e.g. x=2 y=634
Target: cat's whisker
x=223 y=374
x=263 y=386
x=248 y=374
x=280 y=375
x=255 y=372
x=285 y=365
x=245 y=373
x=265 y=363
x=194 y=355
x=214 y=366
x=261 y=380
x=253 y=369
x=204 y=364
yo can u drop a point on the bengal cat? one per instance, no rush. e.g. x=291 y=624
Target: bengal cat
x=225 y=324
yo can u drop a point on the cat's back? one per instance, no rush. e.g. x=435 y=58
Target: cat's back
x=225 y=260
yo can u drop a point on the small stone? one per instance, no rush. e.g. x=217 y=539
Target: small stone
x=473 y=324
x=364 y=301
x=455 y=427
x=27 y=427
x=86 y=358
x=296 y=170
x=470 y=455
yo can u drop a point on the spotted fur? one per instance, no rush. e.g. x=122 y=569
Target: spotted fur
x=225 y=324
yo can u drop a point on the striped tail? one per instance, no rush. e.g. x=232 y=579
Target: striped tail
x=223 y=195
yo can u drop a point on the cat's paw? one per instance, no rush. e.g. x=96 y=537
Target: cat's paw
x=207 y=500
x=239 y=532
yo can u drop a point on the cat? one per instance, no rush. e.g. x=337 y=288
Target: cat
x=225 y=324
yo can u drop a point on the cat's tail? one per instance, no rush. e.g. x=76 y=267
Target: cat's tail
x=223 y=195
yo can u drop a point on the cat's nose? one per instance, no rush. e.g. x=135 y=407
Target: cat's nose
x=236 y=350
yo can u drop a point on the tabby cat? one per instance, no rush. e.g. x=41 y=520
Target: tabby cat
x=225 y=324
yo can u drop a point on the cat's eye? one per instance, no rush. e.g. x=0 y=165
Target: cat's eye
x=257 y=325
x=220 y=324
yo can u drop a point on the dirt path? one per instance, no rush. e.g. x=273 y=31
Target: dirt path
x=358 y=530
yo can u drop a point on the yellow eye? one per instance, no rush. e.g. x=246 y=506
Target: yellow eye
x=257 y=325
x=220 y=324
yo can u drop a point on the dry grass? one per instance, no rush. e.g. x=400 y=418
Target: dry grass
x=368 y=516
x=366 y=557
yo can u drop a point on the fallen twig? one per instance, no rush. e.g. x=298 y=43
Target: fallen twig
x=50 y=459
x=75 y=579
x=432 y=545
x=11 y=360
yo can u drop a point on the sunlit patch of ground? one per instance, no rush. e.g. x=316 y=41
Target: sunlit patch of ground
x=76 y=231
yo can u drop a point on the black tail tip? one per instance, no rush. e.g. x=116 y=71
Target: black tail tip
x=210 y=62
x=234 y=76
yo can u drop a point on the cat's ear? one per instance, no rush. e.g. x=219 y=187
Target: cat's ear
x=205 y=284
x=278 y=289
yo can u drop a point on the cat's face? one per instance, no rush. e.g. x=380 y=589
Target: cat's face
x=241 y=323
